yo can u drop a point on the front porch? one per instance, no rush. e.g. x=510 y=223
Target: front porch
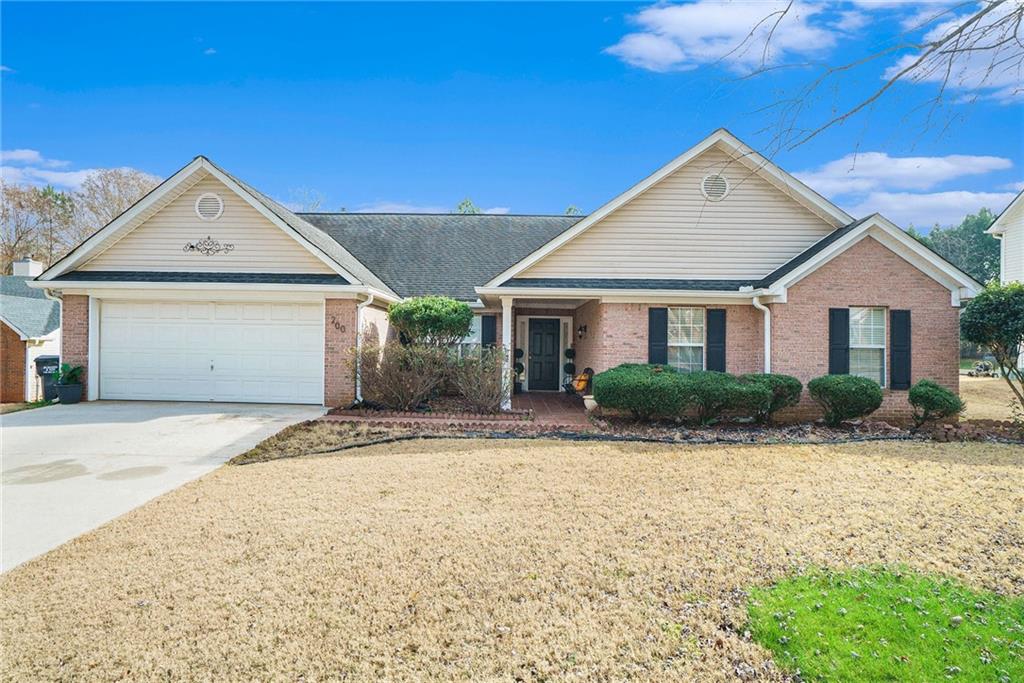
x=554 y=409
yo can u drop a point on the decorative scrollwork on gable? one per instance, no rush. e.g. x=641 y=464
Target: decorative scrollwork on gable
x=208 y=247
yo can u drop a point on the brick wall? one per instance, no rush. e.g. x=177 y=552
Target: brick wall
x=617 y=333
x=12 y=366
x=339 y=343
x=867 y=274
x=74 y=333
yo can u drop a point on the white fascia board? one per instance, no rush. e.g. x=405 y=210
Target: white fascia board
x=997 y=225
x=897 y=241
x=755 y=161
x=99 y=238
x=21 y=334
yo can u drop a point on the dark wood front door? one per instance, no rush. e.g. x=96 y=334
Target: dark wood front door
x=544 y=354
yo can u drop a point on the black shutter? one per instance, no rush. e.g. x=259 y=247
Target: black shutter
x=716 y=339
x=657 y=336
x=489 y=330
x=899 y=340
x=839 y=341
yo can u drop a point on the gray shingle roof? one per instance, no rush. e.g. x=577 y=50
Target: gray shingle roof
x=26 y=309
x=450 y=254
x=222 y=278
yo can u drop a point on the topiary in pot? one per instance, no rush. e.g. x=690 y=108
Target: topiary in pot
x=569 y=369
x=845 y=397
x=932 y=401
x=570 y=353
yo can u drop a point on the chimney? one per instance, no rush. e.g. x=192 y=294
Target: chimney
x=27 y=266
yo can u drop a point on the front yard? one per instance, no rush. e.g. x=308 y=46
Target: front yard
x=500 y=559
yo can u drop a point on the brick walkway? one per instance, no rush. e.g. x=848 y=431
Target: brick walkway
x=551 y=408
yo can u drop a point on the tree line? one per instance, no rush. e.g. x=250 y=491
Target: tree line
x=45 y=223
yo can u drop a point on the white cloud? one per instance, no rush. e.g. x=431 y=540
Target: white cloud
x=1013 y=187
x=679 y=37
x=210 y=51
x=6 y=69
x=928 y=209
x=973 y=71
x=872 y=171
x=32 y=175
x=497 y=210
x=852 y=21
x=30 y=156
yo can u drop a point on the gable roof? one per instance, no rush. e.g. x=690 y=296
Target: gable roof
x=327 y=250
x=998 y=226
x=450 y=254
x=27 y=311
x=721 y=138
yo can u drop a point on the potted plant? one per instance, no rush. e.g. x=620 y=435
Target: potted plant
x=69 y=383
x=517 y=372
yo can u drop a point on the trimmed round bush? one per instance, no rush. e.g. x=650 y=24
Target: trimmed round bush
x=932 y=401
x=569 y=368
x=570 y=353
x=712 y=392
x=437 y=321
x=785 y=391
x=845 y=397
x=645 y=391
x=749 y=400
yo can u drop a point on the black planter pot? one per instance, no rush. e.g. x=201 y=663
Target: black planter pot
x=517 y=388
x=69 y=393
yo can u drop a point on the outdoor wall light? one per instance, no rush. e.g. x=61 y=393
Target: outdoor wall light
x=581 y=331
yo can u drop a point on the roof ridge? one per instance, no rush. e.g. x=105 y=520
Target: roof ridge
x=422 y=213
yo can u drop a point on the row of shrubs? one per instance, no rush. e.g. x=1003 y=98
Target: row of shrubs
x=661 y=391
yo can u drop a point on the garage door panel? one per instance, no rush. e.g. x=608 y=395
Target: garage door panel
x=199 y=351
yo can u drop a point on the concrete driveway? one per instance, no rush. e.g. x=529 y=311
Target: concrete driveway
x=69 y=469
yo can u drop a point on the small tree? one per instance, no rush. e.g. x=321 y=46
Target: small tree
x=431 y=320
x=995 y=319
x=466 y=206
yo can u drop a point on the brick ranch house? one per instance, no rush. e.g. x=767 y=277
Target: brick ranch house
x=208 y=290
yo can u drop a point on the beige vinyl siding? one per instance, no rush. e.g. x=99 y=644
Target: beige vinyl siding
x=671 y=231
x=1012 y=254
x=157 y=244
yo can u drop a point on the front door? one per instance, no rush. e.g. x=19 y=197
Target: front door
x=544 y=354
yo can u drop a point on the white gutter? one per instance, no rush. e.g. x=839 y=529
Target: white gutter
x=767 y=332
x=359 y=344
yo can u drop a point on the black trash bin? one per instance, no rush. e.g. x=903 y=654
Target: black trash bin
x=47 y=368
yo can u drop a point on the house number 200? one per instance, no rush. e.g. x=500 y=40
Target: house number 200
x=337 y=325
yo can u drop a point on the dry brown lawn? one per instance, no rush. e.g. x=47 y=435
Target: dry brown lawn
x=490 y=560
x=987 y=398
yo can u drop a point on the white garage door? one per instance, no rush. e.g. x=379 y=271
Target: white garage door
x=211 y=351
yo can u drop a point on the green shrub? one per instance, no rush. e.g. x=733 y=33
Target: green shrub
x=932 y=401
x=785 y=391
x=748 y=399
x=844 y=397
x=70 y=374
x=645 y=391
x=431 y=320
x=712 y=393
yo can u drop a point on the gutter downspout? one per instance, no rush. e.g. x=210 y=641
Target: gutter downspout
x=359 y=345
x=767 y=333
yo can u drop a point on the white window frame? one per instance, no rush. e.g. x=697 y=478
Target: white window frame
x=885 y=339
x=704 y=336
x=471 y=342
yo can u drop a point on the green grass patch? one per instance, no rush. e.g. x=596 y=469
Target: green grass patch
x=888 y=625
x=17 y=407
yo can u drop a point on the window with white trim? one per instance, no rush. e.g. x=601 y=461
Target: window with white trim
x=470 y=344
x=867 y=343
x=686 y=338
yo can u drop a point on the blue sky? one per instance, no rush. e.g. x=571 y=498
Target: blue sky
x=522 y=107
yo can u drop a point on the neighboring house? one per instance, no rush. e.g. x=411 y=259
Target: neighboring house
x=1008 y=228
x=30 y=328
x=208 y=290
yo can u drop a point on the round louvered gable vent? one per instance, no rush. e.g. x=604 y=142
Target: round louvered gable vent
x=209 y=206
x=714 y=187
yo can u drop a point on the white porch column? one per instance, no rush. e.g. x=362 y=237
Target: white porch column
x=506 y=346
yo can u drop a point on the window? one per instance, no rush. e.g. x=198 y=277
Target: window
x=867 y=343
x=471 y=343
x=686 y=338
